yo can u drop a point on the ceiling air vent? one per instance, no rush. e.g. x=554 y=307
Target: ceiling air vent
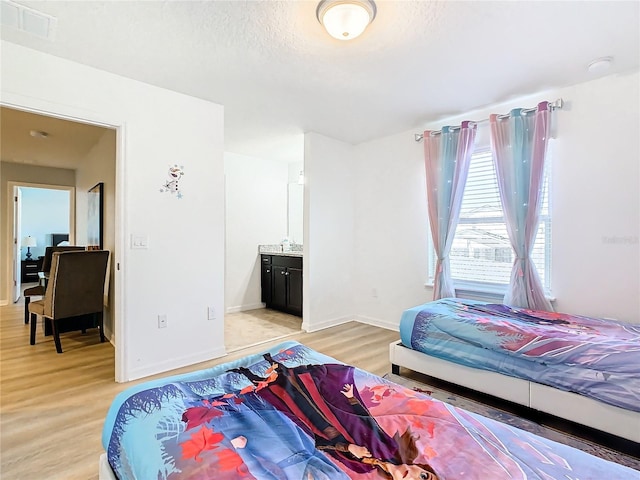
x=25 y=19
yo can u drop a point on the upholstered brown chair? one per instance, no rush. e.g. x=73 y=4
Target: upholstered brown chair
x=75 y=288
x=38 y=291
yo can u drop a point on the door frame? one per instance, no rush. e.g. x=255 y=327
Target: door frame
x=16 y=246
x=14 y=240
x=45 y=107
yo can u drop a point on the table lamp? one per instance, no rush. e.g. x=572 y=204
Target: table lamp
x=29 y=242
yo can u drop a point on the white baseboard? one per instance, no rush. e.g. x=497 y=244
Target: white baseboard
x=174 y=363
x=244 y=308
x=376 y=322
x=111 y=336
x=327 y=323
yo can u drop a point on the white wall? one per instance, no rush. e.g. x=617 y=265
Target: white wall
x=328 y=232
x=100 y=166
x=256 y=214
x=596 y=200
x=595 y=197
x=160 y=128
x=391 y=229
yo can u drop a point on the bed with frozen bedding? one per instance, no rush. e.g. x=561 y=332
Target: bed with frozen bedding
x=294 y=413
x=540 y=352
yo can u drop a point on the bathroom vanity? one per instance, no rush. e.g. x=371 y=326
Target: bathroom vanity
x=282 y=281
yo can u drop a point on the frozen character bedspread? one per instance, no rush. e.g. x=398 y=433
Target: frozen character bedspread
x=293 y=413
x=595 y=357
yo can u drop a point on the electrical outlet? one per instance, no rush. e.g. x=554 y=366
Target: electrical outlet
x=162 y=321
x=211 y=313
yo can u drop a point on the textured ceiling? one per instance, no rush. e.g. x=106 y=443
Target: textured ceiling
x=279 y=74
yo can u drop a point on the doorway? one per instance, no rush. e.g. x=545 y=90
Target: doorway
x=75 y=152
x=43 y=215
x=263 y=206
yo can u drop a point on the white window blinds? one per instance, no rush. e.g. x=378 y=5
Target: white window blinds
x=481 y=256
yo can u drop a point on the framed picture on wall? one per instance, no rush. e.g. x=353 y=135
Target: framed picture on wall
x=95 y=234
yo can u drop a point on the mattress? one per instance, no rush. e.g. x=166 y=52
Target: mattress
x=594 y=357
x=294 y=413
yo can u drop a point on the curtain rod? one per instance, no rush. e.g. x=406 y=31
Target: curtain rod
x=557 y=104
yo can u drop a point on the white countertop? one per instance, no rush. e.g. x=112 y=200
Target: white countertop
x=277 y=250
x=283 y=254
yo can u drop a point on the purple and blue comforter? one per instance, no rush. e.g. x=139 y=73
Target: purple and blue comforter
x=295 y=414
x=594 y=357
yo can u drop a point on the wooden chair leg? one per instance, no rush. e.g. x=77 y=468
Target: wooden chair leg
x=101 y=326
x=32 y=337
x=26 y=309
x=56 y=336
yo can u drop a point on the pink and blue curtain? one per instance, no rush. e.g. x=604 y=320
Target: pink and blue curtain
x=519 y=144
x=446 y=158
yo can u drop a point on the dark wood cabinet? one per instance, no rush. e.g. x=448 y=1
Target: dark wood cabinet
x=295 y=289
x=282 y=283
x=29 y=270
x=279 y=288
x=267 y=280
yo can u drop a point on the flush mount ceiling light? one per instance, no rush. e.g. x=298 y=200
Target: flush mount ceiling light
x=600 y=65
x=345 y=19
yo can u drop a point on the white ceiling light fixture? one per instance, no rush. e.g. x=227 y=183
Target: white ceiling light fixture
x=600 y=65
x=346 y=19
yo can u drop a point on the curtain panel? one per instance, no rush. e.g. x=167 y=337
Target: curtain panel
x=519 y=144
x=446 y=156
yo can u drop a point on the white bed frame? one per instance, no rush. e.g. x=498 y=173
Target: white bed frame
x=570 y=406
x=105 y=472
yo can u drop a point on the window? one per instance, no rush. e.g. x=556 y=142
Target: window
x=481 y=256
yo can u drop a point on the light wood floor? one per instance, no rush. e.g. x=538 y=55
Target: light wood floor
x=52 y=407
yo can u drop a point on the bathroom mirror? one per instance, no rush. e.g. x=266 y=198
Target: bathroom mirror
x=295 y=212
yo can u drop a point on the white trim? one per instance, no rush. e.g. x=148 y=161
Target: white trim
x=327 y=323
x=481 y=292
x=262 y=342
x=119 y=258
x=376 y=322
x=176 y=362
x=244 y=308
x=40 y=106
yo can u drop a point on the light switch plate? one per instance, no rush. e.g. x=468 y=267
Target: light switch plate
x=139 y=241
